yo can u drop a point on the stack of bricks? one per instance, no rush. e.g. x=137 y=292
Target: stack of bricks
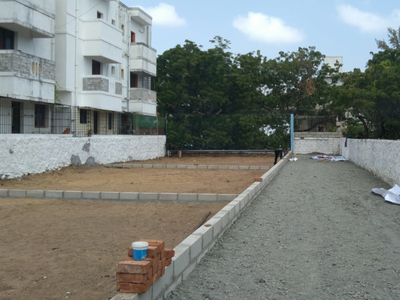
x=136 y=276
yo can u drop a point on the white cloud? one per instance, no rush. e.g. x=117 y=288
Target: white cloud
x=366 y=21
x=267 y=29
x=165 y=15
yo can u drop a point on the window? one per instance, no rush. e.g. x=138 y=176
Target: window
x=133 y=37
x=112 y=70
x=134 y=80
x=96 y=67
x=110 y=120
x=83 y=116
x=122 y=73
x=40 y=116
x=6 y=39
x=113 y=22
x=99 y=15
x=123 y=29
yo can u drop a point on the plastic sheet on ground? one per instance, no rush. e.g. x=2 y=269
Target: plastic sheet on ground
x=329 y=157
x=392 y=195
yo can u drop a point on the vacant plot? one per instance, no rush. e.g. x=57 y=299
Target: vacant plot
x=100 y=178
x=56 y=249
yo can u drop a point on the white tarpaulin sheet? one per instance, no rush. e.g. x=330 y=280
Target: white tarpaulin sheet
x=392 y=195
x=329 y=157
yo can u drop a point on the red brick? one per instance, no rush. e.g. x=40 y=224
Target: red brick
x=163 y=263
x=162 y=254
x=156 y=243
x=169 y=253
x=152 y=251
x=130 y=266
x=156 y=277
x=168 y=261
x=132 y=278
x=162 y=271
x=258 y=179
x=138 y=288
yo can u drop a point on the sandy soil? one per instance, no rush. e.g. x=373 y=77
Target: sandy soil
x=53 y=249
x=258 y=160
x=99 y=178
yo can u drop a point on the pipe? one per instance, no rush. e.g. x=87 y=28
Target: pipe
x=75 y=127
x=291 y=132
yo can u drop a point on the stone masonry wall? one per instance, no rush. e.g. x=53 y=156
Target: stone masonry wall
x=21 y=65
x=95 y=84
x=321 y=142
x=118 y=88
x=29 y=154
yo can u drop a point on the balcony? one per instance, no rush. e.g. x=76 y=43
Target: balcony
x=140 y=16
x=33 y=18
x=26 y=77
x=102 y=41
x=143 y=101
x=101 y=92
x=143 y=59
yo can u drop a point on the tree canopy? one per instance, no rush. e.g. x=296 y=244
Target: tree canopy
x=394 y=40
x=373 y=97
x=214 y=99
x=217 y=100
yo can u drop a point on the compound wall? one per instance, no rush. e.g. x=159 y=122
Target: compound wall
x=381 y=157
x=321 y=142
x=28 y=154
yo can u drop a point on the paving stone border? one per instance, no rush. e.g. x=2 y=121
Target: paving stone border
x=190 y=252
x=119 y=197
x=190 y=167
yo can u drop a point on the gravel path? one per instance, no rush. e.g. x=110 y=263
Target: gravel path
x=315 y=232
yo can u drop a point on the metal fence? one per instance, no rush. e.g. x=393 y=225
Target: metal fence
x=28 y=117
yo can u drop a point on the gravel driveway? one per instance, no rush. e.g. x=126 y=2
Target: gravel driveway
x=315 y=232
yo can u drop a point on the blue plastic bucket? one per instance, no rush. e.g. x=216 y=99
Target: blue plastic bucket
x=140 y=250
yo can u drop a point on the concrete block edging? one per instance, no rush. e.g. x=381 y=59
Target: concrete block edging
x=190 y=251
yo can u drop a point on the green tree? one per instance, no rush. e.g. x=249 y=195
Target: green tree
x=394 y=40
x=373 y=96
x=216 y=100
x=297 y=83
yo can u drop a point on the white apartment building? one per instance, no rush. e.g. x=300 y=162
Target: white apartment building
x=97 y=53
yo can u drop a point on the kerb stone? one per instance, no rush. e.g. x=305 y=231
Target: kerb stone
x=35 y=194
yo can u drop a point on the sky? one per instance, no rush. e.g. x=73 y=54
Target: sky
x=336 y=28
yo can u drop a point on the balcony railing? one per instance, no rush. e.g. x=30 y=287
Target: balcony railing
x=144 y=95
x=26 y=77
x=143 y=59
x=140 y=16
x=102 y=41
x=34 y=18
x=101 y=84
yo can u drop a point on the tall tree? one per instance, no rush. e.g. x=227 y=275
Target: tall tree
x=394 y=40
x=373 y=96
x=297 y=83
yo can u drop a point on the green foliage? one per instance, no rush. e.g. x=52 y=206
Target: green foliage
x=217 y=100
x=394 y=40
x=57 y=88
x=374 y=96
x=297 y=81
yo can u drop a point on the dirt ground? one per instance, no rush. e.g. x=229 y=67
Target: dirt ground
x=100 y=178
x=57 y=249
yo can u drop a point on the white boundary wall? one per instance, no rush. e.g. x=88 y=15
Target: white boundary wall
x=381 y=157
x=322 y=142
x=29 y=154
